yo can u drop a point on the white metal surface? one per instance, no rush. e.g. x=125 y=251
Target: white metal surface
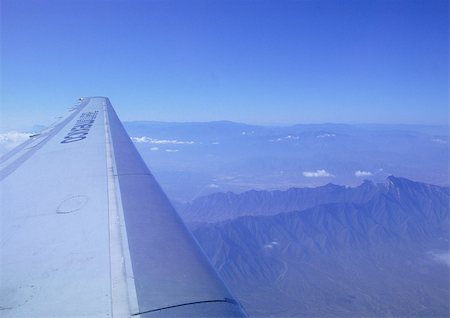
x=86 y=230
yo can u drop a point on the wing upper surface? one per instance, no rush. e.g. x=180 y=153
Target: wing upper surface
x=87 y=231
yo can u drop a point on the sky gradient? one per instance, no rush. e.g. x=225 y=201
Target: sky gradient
x=279 y=62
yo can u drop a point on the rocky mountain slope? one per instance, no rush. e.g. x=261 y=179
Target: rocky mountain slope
x=384 y=254
x=225 y=206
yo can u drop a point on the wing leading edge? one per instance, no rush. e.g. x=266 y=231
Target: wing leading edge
x=87 y=231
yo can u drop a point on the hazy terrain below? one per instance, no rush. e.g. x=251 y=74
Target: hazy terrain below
x=383 y=254
x=193 y=159
x=308 y=220
x=356 y=242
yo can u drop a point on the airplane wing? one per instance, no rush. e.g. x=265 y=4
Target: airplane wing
x=86 y=231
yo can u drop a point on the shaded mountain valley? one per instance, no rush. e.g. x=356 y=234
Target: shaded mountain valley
x=332 y=251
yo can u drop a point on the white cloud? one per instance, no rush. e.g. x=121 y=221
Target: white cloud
x=326 y=135
x=226 y=178
x=362 y=173
x=12 y=139
x=215 y=143
x=438 y=140
x=154 y=148
x=171 y=150
x=271 y=245
x=441 y=257
x=14 y=136
x=317 y=174
x=149 y=140
x=140 y=139
x=288 y=137
x=213 y=186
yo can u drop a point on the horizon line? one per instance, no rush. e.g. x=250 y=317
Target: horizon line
x=280 y=124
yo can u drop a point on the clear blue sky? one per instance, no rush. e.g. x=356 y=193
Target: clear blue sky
x=249 y=61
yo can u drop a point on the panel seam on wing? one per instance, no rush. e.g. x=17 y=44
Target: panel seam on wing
x=122 y=288
x=226 y=300
x=132 y=174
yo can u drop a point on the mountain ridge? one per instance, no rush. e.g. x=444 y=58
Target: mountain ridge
x=373 y=258
x=221 y=206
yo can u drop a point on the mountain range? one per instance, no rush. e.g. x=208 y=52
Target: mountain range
x=332 y=251
x=195 y=159
x=222 y=206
